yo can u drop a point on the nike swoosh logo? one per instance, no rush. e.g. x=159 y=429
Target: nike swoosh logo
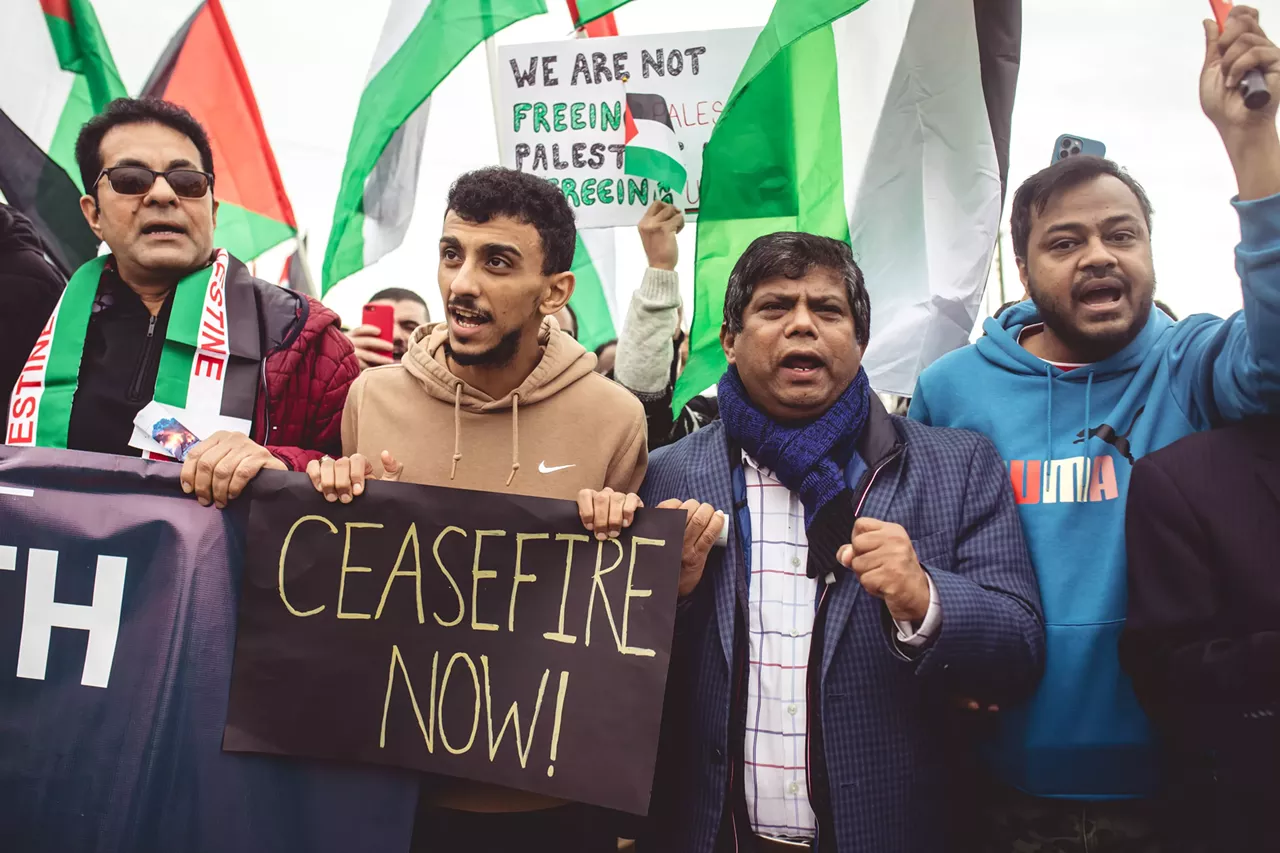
x=543 y=469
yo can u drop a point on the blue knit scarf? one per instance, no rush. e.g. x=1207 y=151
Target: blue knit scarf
x=808 y=458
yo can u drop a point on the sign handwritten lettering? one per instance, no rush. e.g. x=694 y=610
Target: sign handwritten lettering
x=475 y=635
x=563 y=105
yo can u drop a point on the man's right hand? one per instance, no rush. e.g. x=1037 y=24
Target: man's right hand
x=702 y=527
x=344 y=478
x=371 y=350
x=658 y=230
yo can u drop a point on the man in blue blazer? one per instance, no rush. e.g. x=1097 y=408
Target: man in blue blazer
x=874 y=571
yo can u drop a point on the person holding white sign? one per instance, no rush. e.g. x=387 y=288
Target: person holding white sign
x=653 y=348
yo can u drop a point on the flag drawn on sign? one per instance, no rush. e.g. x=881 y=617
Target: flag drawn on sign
x=652 y=150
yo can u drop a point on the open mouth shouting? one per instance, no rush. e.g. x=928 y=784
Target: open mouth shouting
x=801 y=366
x=1102 y=295
x=465 y=322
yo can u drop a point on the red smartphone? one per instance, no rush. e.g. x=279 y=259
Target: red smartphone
x=384 y=317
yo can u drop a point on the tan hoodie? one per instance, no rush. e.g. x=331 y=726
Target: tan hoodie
x=566 y=428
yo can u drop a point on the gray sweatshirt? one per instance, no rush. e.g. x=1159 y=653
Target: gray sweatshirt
x=645 y=349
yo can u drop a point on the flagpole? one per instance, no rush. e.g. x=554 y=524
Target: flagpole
x=491 y=55
x=1000 y=263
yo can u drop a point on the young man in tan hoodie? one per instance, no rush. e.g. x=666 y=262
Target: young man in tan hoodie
x=527 y=415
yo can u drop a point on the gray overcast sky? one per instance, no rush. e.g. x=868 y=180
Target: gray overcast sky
x=1125 y=73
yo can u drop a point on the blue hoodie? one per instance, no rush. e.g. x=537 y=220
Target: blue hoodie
x=1070 y=439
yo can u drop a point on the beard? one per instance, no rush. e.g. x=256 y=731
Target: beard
x=1091 y=345
x=498 y=355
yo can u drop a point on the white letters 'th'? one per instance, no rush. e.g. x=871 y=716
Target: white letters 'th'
x=41 y=614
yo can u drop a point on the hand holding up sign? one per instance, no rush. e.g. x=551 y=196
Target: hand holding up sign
x=607 y=512
x=883 y=558
x=218 y=468
x=658 y=230
x=343 y=479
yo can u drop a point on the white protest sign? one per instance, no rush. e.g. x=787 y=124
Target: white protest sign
x=562 y=104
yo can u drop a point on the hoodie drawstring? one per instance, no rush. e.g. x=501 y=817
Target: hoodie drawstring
x=457 y=429
x=1048 y=436
x=457 y=433
x=515 y=436
x=1088 y=460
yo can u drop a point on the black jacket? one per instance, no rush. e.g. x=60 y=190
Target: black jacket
x=1202 y=641
x=29 y=287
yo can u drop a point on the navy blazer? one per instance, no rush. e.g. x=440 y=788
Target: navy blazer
x=881 y=710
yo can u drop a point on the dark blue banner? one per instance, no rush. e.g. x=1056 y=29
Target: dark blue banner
x=118 y=600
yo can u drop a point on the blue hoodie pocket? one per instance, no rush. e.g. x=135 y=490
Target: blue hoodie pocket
x=1082 y=735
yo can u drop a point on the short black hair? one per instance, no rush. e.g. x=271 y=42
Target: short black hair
x=494 y=191
x=398 y=294
x=1037 y=191
x=135 y=111
x=793 y=254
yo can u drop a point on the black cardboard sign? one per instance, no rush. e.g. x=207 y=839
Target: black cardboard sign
x=468 y=634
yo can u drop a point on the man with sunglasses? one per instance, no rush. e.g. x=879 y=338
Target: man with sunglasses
x=255 y=373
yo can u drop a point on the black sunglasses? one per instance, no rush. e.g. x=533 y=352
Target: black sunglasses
x=137 y=180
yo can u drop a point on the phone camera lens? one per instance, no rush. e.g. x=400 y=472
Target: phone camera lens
x=1075 y=149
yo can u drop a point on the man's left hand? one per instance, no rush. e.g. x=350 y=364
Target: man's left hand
x=606 y=512
x=883 y=558
x=218 y=468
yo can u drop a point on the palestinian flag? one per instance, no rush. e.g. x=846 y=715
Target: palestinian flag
x=422 y=41
x=586 y=11
x=295 y=275
x=56 y=73
x=201 y=71
x=594 y=271
x=652 y=150
x=880 y=122
x=598 y=27
x=38 y=187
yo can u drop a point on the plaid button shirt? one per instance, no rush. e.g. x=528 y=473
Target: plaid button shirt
x=781 y=609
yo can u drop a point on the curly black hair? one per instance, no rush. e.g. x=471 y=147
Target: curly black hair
x=135 y=111
x=485 y=193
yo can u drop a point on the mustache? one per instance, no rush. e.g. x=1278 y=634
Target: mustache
x=468 y=303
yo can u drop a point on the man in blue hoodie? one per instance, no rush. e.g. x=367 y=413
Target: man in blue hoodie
x=1073 y=386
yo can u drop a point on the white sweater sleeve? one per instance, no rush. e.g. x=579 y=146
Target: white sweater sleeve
x=645 y=348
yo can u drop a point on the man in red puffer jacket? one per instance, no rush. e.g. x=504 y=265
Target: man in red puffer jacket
x=258 y=372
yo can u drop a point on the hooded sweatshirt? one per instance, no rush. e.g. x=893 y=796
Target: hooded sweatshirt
x=566 y=428
x=1070 y=439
